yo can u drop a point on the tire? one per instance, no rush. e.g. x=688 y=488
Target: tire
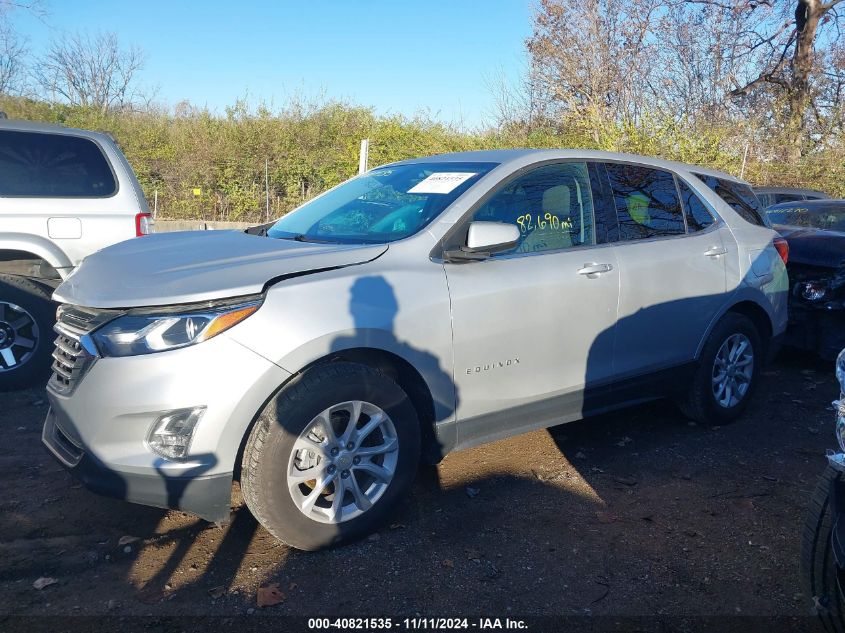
x=26 y=314
x=701 y=403
x=280 y=446
x=817 y=569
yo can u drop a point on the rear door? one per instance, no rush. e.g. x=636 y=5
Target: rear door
x=671 y=269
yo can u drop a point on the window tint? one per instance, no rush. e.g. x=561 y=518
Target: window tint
x=698 y=216
x=766 y=199
x=552 y=206
x=740 y=197
x=646 y=200
x=53 y=166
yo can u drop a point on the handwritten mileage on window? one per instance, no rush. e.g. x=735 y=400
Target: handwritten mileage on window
x=530 y=222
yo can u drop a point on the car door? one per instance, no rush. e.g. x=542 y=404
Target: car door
x=671 y=270
x=533 y=328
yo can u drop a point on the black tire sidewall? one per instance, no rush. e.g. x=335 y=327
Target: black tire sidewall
x=35 y=299
x=288 y=414
x=817 y=567
x=727 y=326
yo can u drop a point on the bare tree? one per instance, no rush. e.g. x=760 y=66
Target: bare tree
x=13 y=52
x=13 y=47
x=92 y=71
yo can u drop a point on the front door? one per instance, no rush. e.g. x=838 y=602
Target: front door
x=533 y=329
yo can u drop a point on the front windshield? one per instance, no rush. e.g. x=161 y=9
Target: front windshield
x=383 y=205
x=827 y=217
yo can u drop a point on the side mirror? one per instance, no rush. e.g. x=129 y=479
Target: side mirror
x=484 y=239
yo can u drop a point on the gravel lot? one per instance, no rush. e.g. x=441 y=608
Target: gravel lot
x=636 y=513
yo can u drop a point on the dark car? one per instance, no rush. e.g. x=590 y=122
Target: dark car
x=776 y=195
x=815 y=231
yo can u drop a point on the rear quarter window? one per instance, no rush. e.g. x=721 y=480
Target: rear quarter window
x=42 y=165
x=740 y=197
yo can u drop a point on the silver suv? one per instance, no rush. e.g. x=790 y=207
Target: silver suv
x=64 y=194
x=423 y=307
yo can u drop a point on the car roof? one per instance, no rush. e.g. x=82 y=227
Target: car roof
x=16 y=125
x=796 y=190
x=528 y=156
x=809 y=204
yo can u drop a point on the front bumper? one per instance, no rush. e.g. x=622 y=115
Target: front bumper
x=99 y=430
x=816 y=329
x=207 y=497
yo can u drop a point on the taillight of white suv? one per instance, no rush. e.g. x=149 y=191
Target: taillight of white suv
x=143 y=224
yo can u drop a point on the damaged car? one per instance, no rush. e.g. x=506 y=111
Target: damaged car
x=423 y=307
x=815 y=232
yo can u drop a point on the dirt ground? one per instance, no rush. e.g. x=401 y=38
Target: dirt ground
x=636 y=513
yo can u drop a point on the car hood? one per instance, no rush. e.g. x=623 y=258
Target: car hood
x=814 y=247
x=185 y=267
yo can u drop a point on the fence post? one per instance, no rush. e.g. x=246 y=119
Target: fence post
x=364 y=156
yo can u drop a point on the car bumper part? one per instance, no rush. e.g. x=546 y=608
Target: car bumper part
x=99 y=430
x=207 y=497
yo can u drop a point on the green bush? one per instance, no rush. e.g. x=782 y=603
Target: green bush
x=310 y=147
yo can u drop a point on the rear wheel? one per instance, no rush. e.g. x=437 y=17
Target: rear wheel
x=330 y=456
x=819 y=577
x=727 y=373
x=26 y=324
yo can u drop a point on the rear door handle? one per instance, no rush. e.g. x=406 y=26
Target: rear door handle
x=715 y=251
x=595 y=269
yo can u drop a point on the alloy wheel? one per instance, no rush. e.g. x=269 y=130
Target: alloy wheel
x=343 y=462
x=18 y=336
x=733 y=369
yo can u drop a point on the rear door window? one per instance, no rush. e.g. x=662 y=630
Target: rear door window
x=646 y=200
x=739 y=196
x=697 y=214
x=40 y=165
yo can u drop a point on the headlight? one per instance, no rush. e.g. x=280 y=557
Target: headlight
x=157 y=330
x=812 y=290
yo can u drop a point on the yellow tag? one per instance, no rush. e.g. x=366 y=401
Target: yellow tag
x=197 y=192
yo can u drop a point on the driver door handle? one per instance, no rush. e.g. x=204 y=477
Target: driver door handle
x=715 y=251
x=595 y=269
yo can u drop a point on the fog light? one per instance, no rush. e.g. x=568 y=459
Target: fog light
x=171 y=434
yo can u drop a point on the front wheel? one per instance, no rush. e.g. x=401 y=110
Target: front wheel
x=727 y=374
x=820 y=576
x=26 y=332
x=330 y=456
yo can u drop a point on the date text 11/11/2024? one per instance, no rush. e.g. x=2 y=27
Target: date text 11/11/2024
x=416 y=624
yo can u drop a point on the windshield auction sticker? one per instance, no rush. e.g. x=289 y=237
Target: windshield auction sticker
x=443 y=182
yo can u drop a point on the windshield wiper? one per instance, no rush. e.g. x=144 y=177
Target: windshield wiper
x=260 y=230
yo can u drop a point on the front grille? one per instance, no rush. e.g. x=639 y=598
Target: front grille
x=68 y=360
x=71 y=359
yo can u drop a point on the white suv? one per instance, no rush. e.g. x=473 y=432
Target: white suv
x=64 y=193
x=422 y=307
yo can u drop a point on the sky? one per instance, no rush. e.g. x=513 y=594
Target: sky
x=434 y=56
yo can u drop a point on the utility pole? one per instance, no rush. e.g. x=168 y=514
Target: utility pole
x=364 y=156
